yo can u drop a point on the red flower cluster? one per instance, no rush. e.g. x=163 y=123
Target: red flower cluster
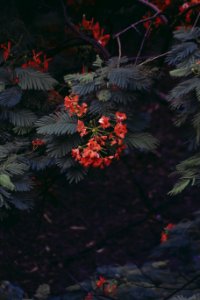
x=163 y=5
x=96 y=30
x=186 y=5
x=105 y=144
x=37 y=143
x=38 y=62
x=165 y=233
x=72 y=106
x=6 y=50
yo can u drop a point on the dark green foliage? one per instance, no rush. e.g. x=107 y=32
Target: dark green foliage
x=31 y=79
x=106 y=89
x=14 y=177
x=58 y=123
x=23 y=100
x=184 y=99
x=10 y=97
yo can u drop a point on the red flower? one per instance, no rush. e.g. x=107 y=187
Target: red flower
x=104 y=122
x=6 y=50
x=110 y=289
x=37 y=62
x=93 y=145
x=164 y=237
x=96 y=30
x=76 y=154
x=183 y=7
x=37 y=143
x=165 y=233
x=100 y=282
x=71 y=104
x=120 y=130
x=81 y=109
x=89 y=296
x=169 y=226
x=81 y=128
x=103 y=40
x=98 y=35
x=87 y=25
x=120 y=116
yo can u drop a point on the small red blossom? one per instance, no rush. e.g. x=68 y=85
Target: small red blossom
x=89 y=296
x=6 y=50
x=81 y=128
x=169 y=227
x=93 y=145
x=110 y=289
x=96 y=30
x=37 y=143
x=120 y=130
x=164 y=237
x=165 y=233
x=120 y=116
x=76 y=154
x=100 y=282
x=86 y=24
x=71 y=104
x=104 y=122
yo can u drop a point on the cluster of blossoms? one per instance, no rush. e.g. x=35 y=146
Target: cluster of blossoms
x=6 y=50
x=186 y=5
x=106 y=141
x=73 y=107
x=39 y=62
x=108 y=288
x=165 y=233
x=105 y=138
x=96 y=30
x=163 y=5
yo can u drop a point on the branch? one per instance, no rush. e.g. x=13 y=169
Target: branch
x=136 y=23
x=154 y=8
x=183 y=287
x=142 y=44
x=105 y=54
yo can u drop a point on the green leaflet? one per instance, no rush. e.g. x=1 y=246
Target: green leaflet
x=35 y=80
x=6 y=182
x=56 y=124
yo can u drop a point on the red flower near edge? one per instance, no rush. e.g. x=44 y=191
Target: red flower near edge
x=97 y=31
x=6 y=50
x=100 y=282
x=165 y=233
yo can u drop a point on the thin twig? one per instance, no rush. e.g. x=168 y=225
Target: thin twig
x=142 y=44
x=182 y=287
x=136 y=23
x=196 y=21
x=119 y=50
x=154 y=8
x=154 y=58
